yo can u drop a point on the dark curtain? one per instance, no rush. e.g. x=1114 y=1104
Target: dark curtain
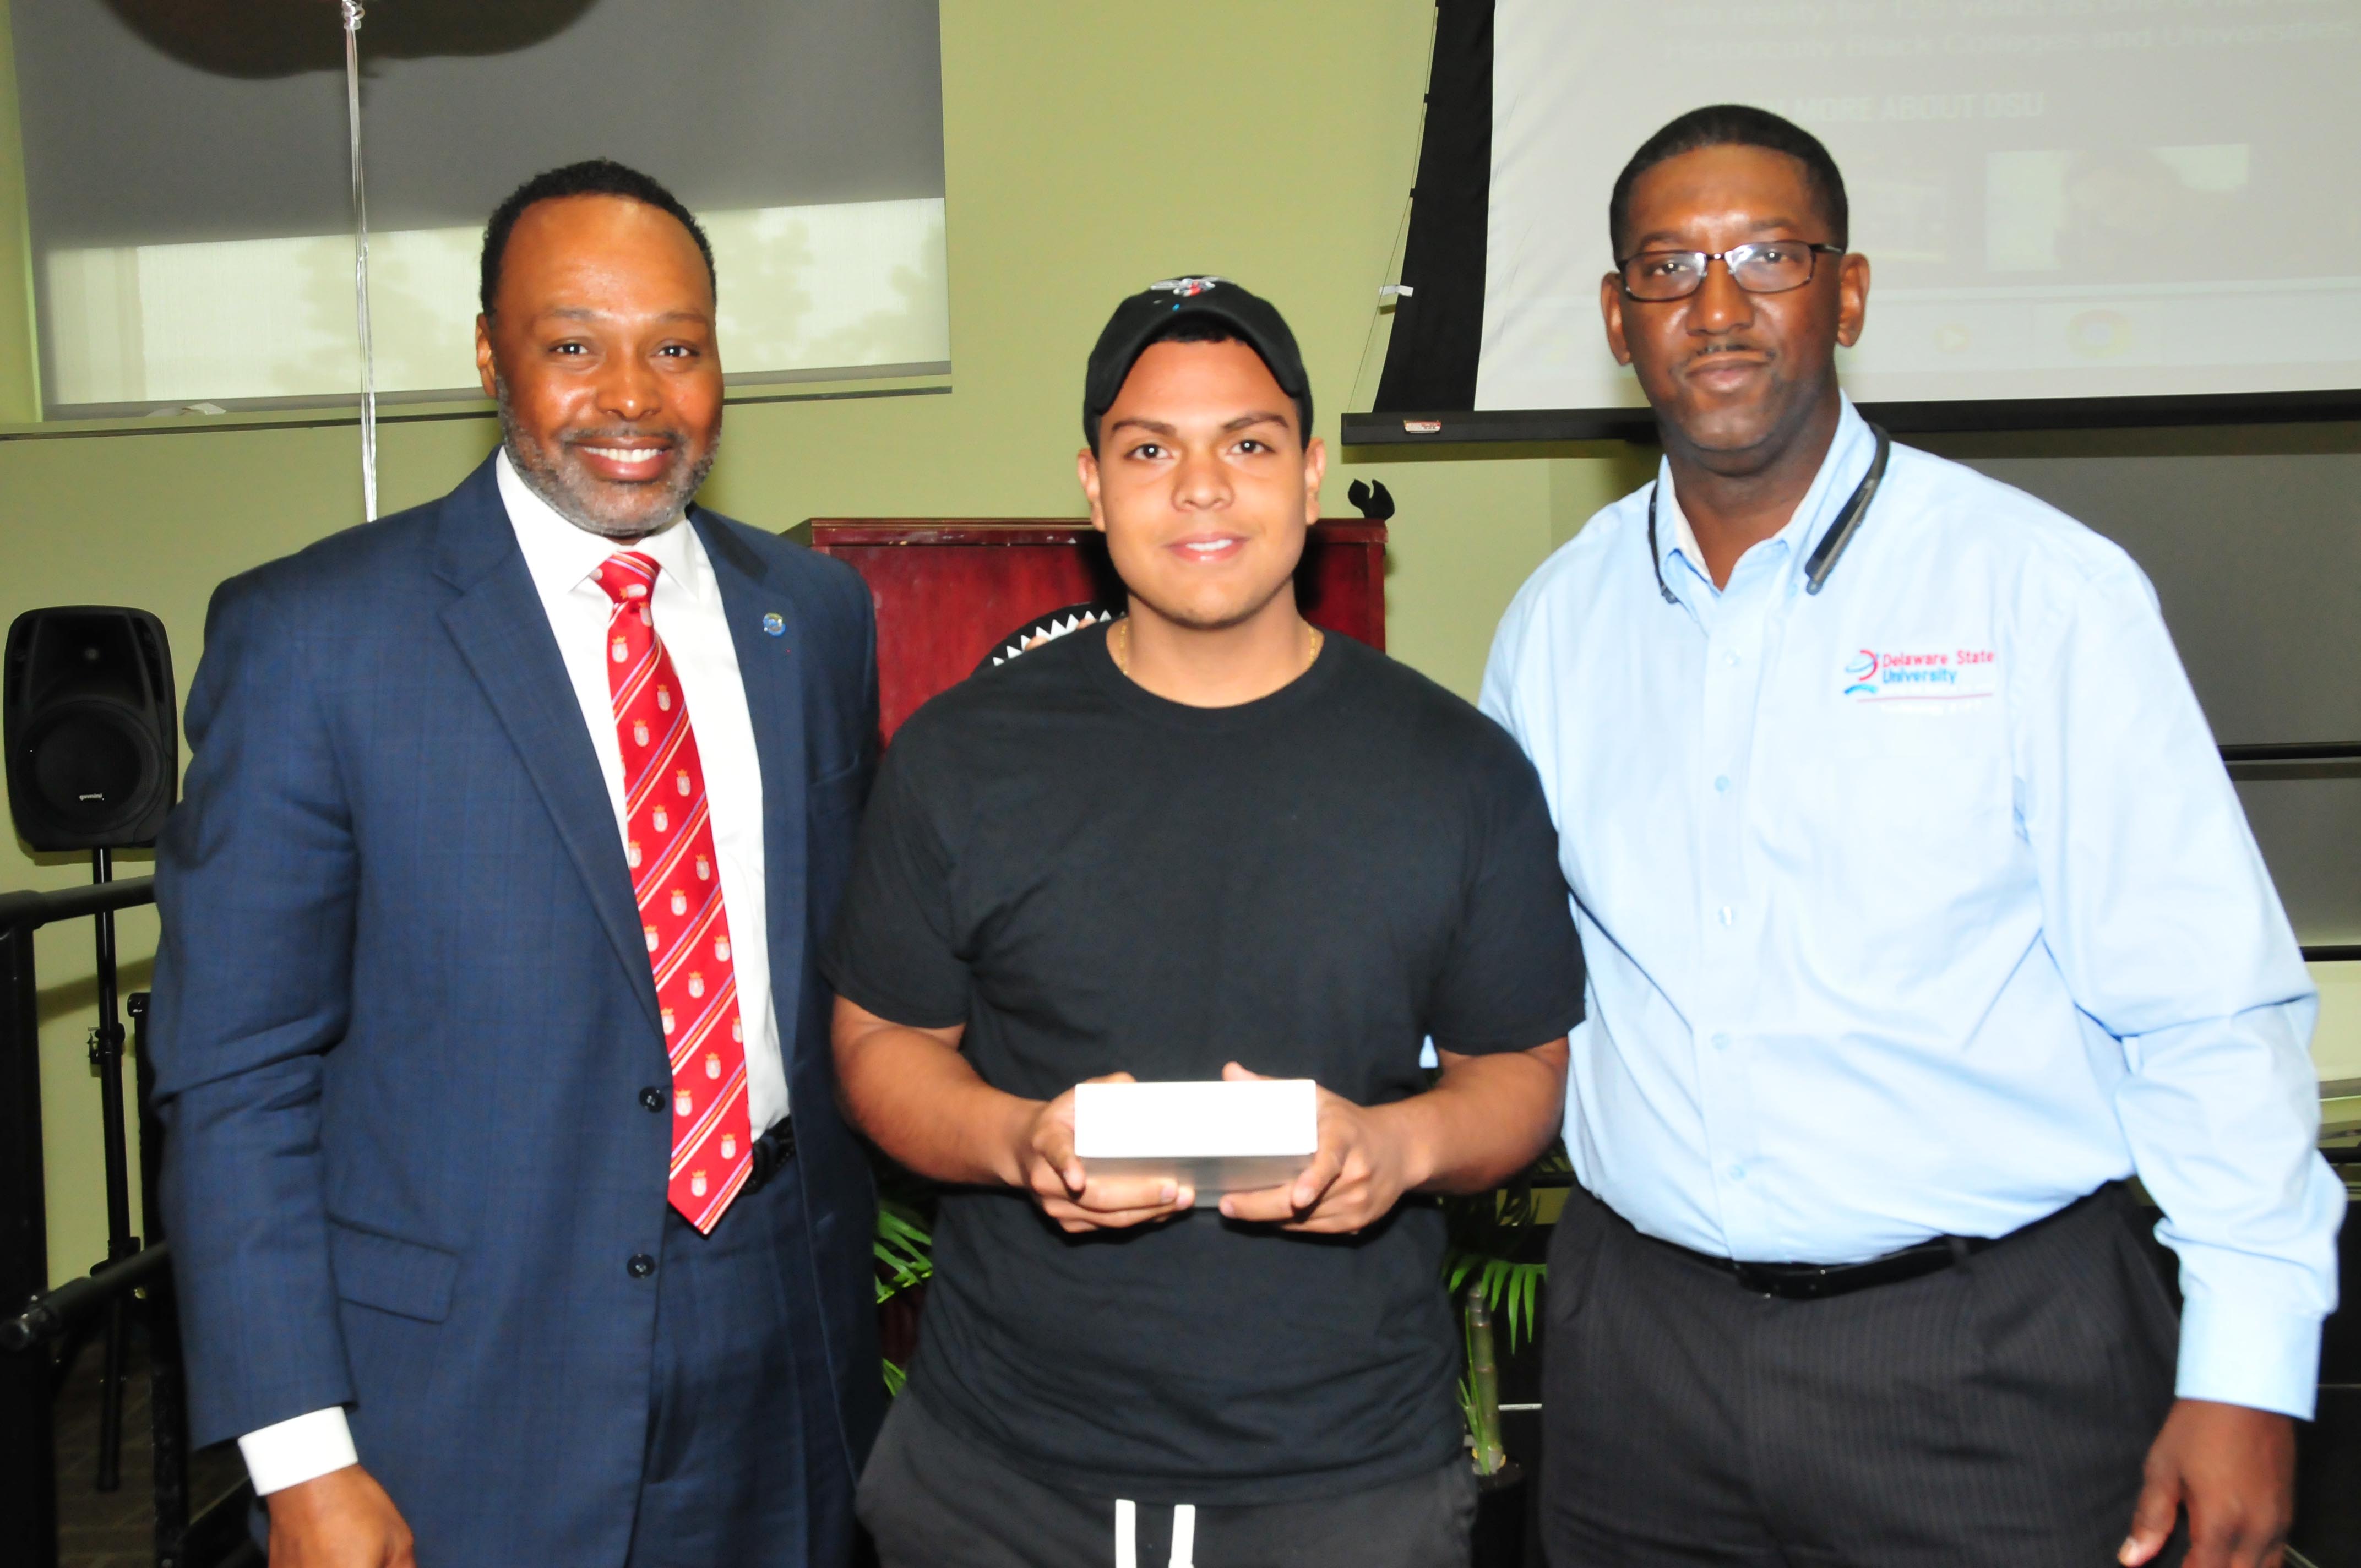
x=1439 y=328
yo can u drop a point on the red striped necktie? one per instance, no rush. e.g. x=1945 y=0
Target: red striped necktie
x=676 y=877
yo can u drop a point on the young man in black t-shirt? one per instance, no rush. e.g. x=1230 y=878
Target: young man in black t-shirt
x=1205 y=842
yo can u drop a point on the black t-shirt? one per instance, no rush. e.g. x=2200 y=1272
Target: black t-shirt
x=1094 y=880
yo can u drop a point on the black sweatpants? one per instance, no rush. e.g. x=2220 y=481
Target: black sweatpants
x=1996 y=1412
x=932 y=1500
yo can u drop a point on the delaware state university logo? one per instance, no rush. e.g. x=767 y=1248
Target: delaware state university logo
x=1947 y=674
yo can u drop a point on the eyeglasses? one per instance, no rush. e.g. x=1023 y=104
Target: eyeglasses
x=1771 y=267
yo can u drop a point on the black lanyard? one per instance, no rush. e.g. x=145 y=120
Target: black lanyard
x=1832 y=543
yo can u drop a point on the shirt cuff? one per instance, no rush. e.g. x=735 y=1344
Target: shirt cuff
x=2235 y=1354
x=289 y=1452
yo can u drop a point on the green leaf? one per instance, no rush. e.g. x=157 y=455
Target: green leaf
x=903 y=1247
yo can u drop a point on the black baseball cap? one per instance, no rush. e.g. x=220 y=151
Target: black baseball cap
x=1141 y=319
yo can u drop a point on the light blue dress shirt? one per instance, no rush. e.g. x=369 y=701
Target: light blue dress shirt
x=1922 y=905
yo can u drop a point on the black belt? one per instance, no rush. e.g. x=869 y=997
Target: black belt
x=771 y=1153
x=1817 y=1281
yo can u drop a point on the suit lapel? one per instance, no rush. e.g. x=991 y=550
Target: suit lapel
x=502 y=632
x=768 y=665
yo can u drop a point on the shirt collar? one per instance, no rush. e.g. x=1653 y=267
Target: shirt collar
x=1681 y=561
x=1684 y=548
x=562 y=557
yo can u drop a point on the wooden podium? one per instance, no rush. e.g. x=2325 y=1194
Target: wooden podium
x=953 y=592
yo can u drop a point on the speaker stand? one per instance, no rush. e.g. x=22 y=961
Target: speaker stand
x=106 y=1056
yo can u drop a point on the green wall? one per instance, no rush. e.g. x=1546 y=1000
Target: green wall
x=20 y=387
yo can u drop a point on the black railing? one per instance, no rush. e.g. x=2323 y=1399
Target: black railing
x=50 y=1318
x=36 y=1322
x=2293 y=752
x=30 y=911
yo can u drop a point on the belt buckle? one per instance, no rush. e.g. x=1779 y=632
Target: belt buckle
x=1790 y=1282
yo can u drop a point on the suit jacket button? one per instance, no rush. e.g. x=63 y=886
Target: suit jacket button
x=641 y=1266
x=652 y=1098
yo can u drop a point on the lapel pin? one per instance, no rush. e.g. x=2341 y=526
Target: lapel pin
x=773 y=624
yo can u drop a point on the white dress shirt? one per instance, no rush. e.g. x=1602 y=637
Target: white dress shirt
x=1921 y=906
x=564 y=561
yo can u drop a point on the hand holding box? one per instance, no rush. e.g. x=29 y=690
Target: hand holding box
x=1214 y=1138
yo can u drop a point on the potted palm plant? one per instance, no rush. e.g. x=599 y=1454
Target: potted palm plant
x=904 y=1245
x=1495 y=1273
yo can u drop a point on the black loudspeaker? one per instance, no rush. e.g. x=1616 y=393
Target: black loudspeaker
x=93 y=741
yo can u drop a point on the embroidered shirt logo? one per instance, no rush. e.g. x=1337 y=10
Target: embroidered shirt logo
x=1950 y=675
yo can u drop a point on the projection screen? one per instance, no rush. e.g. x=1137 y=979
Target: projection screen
x=2060 y=199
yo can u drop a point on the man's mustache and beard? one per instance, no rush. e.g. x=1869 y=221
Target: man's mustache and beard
x=604 y=507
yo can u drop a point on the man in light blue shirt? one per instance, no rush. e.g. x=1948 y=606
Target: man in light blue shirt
x=1920 y=914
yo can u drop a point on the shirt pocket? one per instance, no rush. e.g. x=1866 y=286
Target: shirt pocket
x=1910 y=812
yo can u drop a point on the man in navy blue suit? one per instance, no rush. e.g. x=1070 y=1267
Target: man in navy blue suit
x=513 y=1219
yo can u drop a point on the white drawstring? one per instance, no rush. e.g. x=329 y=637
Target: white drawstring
x=1127 y=1534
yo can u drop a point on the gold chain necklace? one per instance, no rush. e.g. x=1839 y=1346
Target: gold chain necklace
x=1119 y=647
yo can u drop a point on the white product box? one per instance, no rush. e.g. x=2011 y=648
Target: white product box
x=1216 y=1138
